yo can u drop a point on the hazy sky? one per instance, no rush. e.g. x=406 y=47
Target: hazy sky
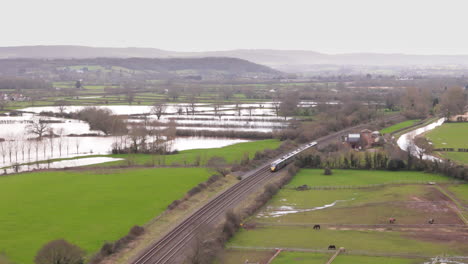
x=332 y=26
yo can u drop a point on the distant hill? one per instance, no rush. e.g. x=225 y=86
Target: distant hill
x=273 y=58
x=115 y=68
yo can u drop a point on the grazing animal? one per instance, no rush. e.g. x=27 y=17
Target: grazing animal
x=317 y=227
x=431 y=221
x=392 y=220
x=331 y=247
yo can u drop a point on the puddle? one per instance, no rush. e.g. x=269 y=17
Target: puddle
x=286 y=209
x=454 y=260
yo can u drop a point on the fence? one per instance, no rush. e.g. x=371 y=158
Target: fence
x=452 y=149
x=367 y=186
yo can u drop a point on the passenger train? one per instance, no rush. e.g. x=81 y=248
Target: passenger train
x=288 y=158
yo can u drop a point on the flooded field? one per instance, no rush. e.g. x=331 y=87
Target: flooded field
x=59 y=164
x=73 y=138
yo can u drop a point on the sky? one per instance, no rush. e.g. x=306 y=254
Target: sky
x=329 y=26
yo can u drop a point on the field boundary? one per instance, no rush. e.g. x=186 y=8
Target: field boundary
x=368 y=186
x=348 y=252
x=458 y=206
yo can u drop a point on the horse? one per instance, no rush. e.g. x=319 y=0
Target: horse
x=316 y=227
x=331 y=247
x=391 y=220
x=431 y=221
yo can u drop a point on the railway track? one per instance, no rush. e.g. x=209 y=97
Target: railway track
x=166 y=249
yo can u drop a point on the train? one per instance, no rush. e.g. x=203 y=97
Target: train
x=288 y=158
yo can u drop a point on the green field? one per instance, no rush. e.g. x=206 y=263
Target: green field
x=85 y=207
x=315 y=177
x=358 y=218
x=399 y=126
x=449 y=135
x=461 y=191
x=460 y=157
x=349 y=259
x=320 y=258
x=357 y=206
x=286 y=257
x=379 y=242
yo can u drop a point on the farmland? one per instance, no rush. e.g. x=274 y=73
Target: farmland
x=84 y=207
x=399 y=126
x=451 y=135
x=315 y=177
x=353 y=208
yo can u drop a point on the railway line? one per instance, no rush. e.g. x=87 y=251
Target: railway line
x=168 y=248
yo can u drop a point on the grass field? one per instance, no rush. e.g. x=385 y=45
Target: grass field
x=315 y=177
x=286 y=257
x=357 y=219
x=449 y=135
x=399 y=126
x=361 y=206
x=233 y=256
x=349 y=259
x=85 y=207
x=460 y=157
x=358 y=240
x=461 y=191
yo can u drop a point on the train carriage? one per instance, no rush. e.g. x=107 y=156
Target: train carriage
x=288 y=158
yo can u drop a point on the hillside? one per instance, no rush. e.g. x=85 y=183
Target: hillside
x=197 y=68
x=261 y=56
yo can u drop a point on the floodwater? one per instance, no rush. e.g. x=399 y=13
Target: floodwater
x=74 y=138
x=60 y=164
x=246 y=109
x=407 y=140
x=287 y=209
x=26 y=151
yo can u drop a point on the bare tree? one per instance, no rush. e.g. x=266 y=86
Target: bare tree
x=77 y=145
x=3 y=150
x=204 y=247
x=38 y=127
x=424 y=147
x=192 y=103
x=62 y=105
x=158 y=109
x=59 y=252
x=3 y=103
x=219 y=165
x=453 y=102
x=289 y=104
x=238 y=108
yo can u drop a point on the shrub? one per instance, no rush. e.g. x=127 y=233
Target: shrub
x=327 y=171
x=137 y=231
x=59 y=251
x=395 y=165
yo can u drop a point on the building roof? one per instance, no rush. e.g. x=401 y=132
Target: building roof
x=354 y=137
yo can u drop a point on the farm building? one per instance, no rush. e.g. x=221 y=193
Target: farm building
x=365 y=139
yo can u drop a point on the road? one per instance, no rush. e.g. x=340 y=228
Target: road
x=170 y=248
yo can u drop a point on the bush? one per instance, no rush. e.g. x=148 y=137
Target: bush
x=59 y=251
x=395 y=165
x=327 y=171
x=137 y=231
x=173 y=205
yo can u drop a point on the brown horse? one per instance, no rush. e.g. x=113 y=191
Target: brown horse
x=316 y=227
x=391 y=220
